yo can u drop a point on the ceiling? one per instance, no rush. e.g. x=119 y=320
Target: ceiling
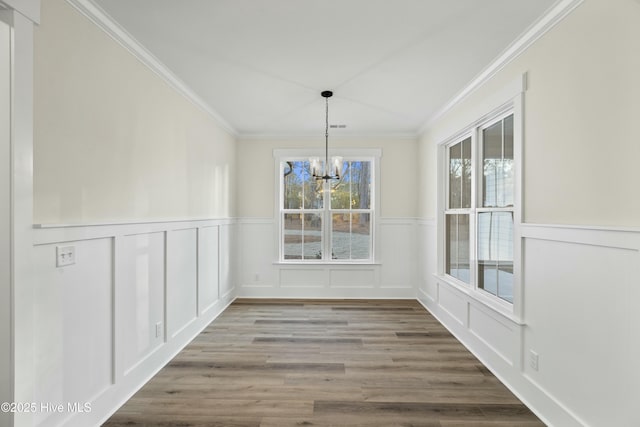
x=261 y=65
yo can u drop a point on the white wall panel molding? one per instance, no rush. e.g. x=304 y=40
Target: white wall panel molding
x=109 y=401
x=73 y=334
x=326 y=293
x=120 y=35
x=140 y=298
x=618 y=237
x=454 y=303
x=208 y=268
x=594 y=271
x=544 y=406
x=554 y=16
x=426 y=251
x=398 y=249
x=499 y=335
x=228 y=260
x=50 y=233
x=181 y=280
x=398 y=221
x=137 y=293
x=260 y=275
x=353 y=277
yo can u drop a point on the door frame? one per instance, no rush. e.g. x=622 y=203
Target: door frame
x=17 y=346
x=6 y=224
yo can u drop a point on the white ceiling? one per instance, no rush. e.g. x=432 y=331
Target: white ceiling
x=261 y=64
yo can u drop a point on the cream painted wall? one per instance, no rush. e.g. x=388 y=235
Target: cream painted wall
x=113 y=142
x=398 y=174
x=428 y=175
x=581 y=111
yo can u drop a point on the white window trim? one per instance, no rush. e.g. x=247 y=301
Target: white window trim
x=514 y=105
x=281 y=155
x=468 y=133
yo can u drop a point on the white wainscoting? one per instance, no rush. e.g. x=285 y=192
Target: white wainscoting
x=209 y=267
x=581 y=293
x=137 y=294
x=392 y=276
x=427 y=247
x=96 y=341
x=140 y=296
x=581 y=302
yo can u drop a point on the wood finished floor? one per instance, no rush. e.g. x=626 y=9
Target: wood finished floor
x=324 y=363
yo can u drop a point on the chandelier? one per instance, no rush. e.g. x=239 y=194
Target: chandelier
x=331 y=170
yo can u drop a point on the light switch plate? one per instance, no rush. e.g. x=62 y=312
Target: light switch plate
x=65 y=255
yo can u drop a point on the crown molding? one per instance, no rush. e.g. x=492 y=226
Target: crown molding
x=320 y=136
x=100 y=18
x=107 y=24
x=554 y=15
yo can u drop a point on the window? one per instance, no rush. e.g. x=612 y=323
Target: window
x=327 y=221
x=479 y=211
x=459 y=210
x=495 y=215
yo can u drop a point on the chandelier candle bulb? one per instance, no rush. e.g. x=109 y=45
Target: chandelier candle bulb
x=337 y=166
x=315 y=166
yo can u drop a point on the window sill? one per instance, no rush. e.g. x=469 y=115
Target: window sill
x=503 y=309
x=331 y=263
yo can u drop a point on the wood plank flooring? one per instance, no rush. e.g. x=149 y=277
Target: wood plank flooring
x=286 y=363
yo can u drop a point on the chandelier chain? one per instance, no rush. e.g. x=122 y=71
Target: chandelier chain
x=327 y=173
x=326 y=136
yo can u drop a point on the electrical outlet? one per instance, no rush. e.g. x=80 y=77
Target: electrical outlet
x=65 y=255
x=158 y=329
x=533 y=360
x=256 y=277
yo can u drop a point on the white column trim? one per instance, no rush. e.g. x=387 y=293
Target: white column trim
x=22 y=204
x=30 y=9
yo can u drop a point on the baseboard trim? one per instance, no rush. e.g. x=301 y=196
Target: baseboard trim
x=534 y=392
x=166 y=359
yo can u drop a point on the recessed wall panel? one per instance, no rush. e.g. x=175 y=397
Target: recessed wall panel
x=73 y=333
x=181 y=279
x=452 y=302
x=258 y=243
x=227 y=258
x=303 y=278
x=397 y=255
x=496 y=334
x=140 y=296
x=208 y=269
x=581 y=304
x=353 y=278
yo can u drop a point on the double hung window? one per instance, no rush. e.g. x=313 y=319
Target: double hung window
x=330 y=221
x=479 y=208
x=495 y=213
